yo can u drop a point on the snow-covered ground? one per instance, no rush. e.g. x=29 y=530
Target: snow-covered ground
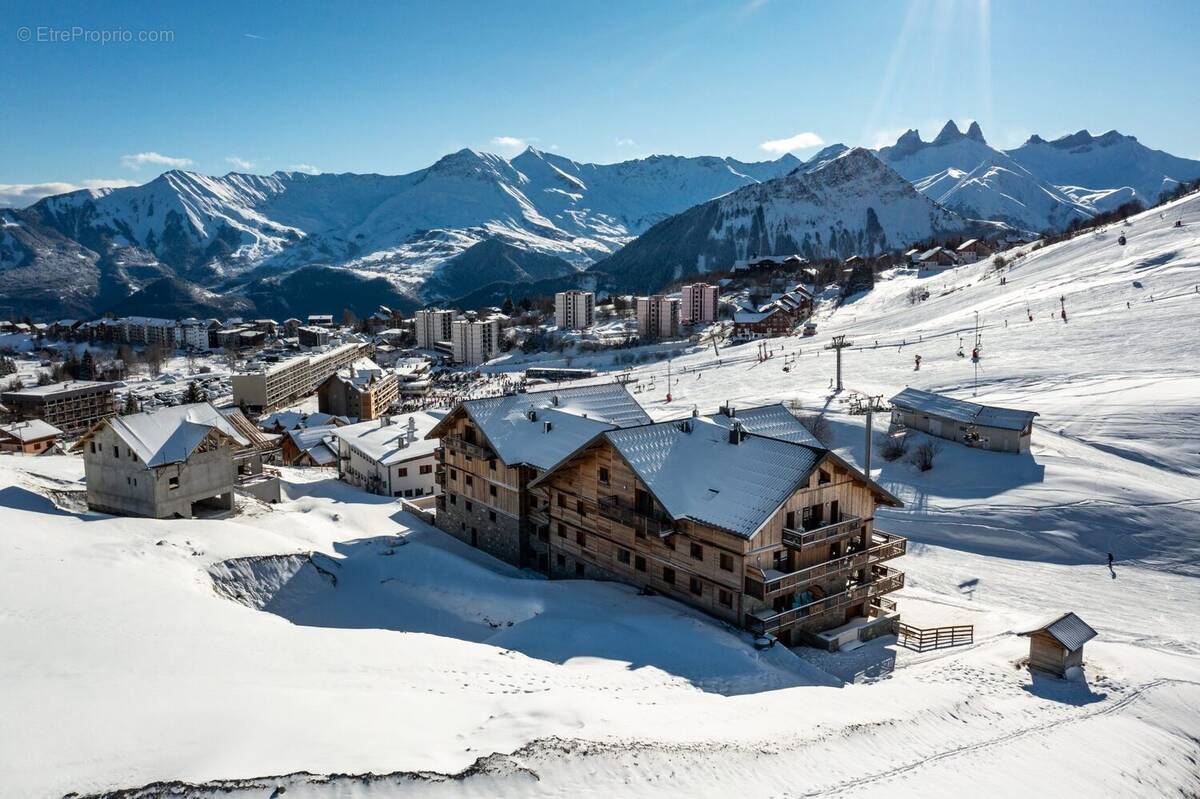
x=221 y=652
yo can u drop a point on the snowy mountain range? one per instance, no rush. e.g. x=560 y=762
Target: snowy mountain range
x=1040 y=185
x=185 y=241
x=832 y=208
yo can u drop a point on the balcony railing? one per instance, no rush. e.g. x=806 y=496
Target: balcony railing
x=800 y=539
x=467 y=448
x=883 y=580
x=884 y=546
x=651 y=524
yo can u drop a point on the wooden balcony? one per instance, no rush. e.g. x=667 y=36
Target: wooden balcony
x=882 y=580
x=466 y=448
x=884 y=546
x=799 y=539
x=613 y=509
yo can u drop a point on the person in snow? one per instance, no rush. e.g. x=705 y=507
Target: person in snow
x=917 y=364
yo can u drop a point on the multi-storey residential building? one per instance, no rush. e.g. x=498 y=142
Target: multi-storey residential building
x=363 y=390
x=312 y=336
x=72 y=406
x=193 y=334
x=657 y=317
x=431 y=326
x=492 y=448
x=390 y=456
x=773 y=535
x=149 y=331
x=320 y=319
x=699 y=304
x=474 y=340
x=574 y=310
x=271 y=385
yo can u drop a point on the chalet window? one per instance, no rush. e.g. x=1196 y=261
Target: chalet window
x=578 y=569
x=453 y=499
x=791 y=520
x=93 y=445
x=454 y=474
x=492 y=464
x=491 y=516
x=562 y=530
x=469 y=434
x=468 y=480
x=623 y=555
x=491 y=491
x=639 y=563
x=695 y=586
x=562 y=500
x=579 y=508
x=467 y=504
x=823 y=477
x=116 y=451
x=172 y=483
x=668 y=575
x=669 y=542
x=754 y=588
x=581 y=538
x=725 y=598
x=426 y=469
x=604 y=475
x=402 y=472
x=726 y=562
x=697 y=551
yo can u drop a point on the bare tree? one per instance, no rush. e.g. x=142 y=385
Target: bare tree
x=819 y=426
x=924 y=454
x=893 y=448
x=192 y=361
x=154 y=359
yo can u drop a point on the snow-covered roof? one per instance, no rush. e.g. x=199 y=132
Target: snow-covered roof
x=750 y=317
x=576 y=415
x=702 y=476
x=396 y=441
x=968 y=244
x=169 y=435
x=775 y=421
x=30 y=430
x=927 y=402
x=56 y=388
x=317 y=442
x=1068 y=629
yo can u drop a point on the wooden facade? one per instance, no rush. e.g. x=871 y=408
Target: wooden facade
x=815 y=564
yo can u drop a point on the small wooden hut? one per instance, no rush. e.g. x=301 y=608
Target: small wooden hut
x=1058 y=645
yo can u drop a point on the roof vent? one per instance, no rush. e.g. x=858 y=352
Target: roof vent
x=554 y=400
x=532 y=414
x=685 y=426
x=547 y=426
x=695 y=411
x=737 y=433
x=728 y=410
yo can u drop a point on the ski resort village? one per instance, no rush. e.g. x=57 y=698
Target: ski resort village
x=454 y=400
x=937 y=508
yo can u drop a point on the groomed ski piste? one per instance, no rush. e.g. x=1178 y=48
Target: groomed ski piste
x=331 y=646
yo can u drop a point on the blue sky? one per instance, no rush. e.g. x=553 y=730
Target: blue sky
x=389 y=87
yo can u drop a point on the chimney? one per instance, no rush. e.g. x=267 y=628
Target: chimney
x=547 y=426
x=412 y=429
x=728 y=410
x=554 y=400
x=531 y=414
x=737 y=433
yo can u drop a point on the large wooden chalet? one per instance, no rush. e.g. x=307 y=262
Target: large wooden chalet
x=741 y=514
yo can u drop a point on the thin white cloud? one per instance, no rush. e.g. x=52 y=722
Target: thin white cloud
x=801 y=141
x=240 y=163
x=254 y=36
x=308 y=169
x=626 y=142
x=157 y=159
x=511 y=145
x=21 y=195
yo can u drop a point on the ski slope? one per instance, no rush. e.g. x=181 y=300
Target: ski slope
x=222 y=654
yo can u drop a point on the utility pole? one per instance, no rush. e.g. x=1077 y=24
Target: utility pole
x=873 y=404
x=668 y=379
x=839 y=343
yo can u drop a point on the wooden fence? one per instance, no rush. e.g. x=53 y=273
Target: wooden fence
x=921 y=639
